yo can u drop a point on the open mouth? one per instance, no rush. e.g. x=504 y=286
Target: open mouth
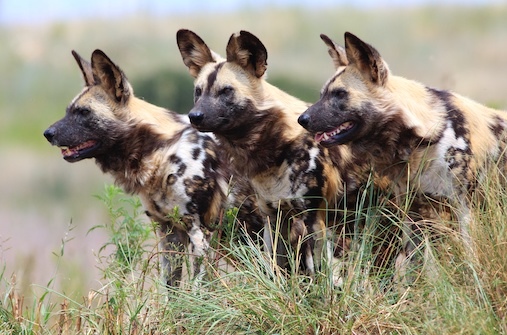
x=341 y=134
x=80 y=151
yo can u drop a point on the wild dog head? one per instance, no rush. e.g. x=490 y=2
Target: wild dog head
x=227 y=91
x=351 y=101
x=90 y=126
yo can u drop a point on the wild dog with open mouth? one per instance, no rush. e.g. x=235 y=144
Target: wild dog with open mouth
x=430 y=141
x=150 y=151
x=256 y=124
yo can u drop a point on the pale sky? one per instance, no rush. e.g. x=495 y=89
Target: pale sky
x=37 y=11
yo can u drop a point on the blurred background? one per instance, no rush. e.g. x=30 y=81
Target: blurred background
x=46 y=203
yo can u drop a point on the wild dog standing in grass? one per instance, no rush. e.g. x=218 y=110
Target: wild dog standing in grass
x=256 y=124
x=150 y=151
x=429 y=141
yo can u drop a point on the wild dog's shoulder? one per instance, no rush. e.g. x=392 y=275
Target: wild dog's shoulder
x=483 y=128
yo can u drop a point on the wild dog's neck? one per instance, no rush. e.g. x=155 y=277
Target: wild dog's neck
x=260 y=144
x=127 y=159
x=161 y=120
x=389 y=143
x=394 y=123
x=414 y=106
x=148 y=129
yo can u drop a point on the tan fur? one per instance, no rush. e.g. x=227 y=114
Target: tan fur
x=256 y=124
x=430 y=142
x=178 y=173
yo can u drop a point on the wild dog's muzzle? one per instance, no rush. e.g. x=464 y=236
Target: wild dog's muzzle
x=72 y=152
x=329 y=135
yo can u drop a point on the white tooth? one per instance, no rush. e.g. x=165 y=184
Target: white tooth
x=325 y=136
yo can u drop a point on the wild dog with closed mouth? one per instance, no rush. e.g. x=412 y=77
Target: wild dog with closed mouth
x=150 y=151
x=256 y=125
x=431 y=141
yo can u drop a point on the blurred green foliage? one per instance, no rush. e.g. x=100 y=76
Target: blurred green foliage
x=174 y=89
x=459 y=48
x=167 y=88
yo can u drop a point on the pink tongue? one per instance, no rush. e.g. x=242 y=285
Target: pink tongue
x=319 y=137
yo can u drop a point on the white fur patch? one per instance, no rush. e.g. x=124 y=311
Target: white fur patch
x=439 y=179
x=313 y=152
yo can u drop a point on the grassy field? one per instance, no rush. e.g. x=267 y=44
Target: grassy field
x=47 y=207
x=451 y=293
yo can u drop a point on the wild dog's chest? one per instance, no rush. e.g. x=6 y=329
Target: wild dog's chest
x=297 y=177
x=182 y=173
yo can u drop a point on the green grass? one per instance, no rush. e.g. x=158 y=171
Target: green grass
x=451 y=294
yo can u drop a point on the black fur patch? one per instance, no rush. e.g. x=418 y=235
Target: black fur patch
x=196 y=152
x=252 y=144
x=498 y=127
x=127 y=154
x=171 y=179
x=213 y=77
x=200 y=191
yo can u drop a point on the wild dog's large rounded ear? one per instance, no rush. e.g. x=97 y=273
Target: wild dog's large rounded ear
x=86 y=69
x=337 y=52
x=110 y=77
x=248 y=51
x=366 y=58
x=194 y=51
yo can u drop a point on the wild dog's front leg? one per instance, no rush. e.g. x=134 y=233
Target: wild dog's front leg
x=299 y=238
x=276 y=237
x=310 y=233
x=427 y=214
x=465 y=219
x=274 y=234
x=199 y=242
x=324 y=249
x=172 y=246
x=411 y=204
x=407 y=259
x=321 y=246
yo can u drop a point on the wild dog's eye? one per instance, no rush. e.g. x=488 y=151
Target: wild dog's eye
x=227 y=90
x=197 y=93
x=340 y=93
x=82 y=111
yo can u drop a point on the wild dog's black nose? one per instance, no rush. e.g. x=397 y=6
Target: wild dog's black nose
x=49 y=133
x=196 y=117
x=304 y=120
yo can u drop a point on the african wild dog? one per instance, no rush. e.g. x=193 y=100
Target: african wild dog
x=150 y=151
x=256 y=124
x=431 y=141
